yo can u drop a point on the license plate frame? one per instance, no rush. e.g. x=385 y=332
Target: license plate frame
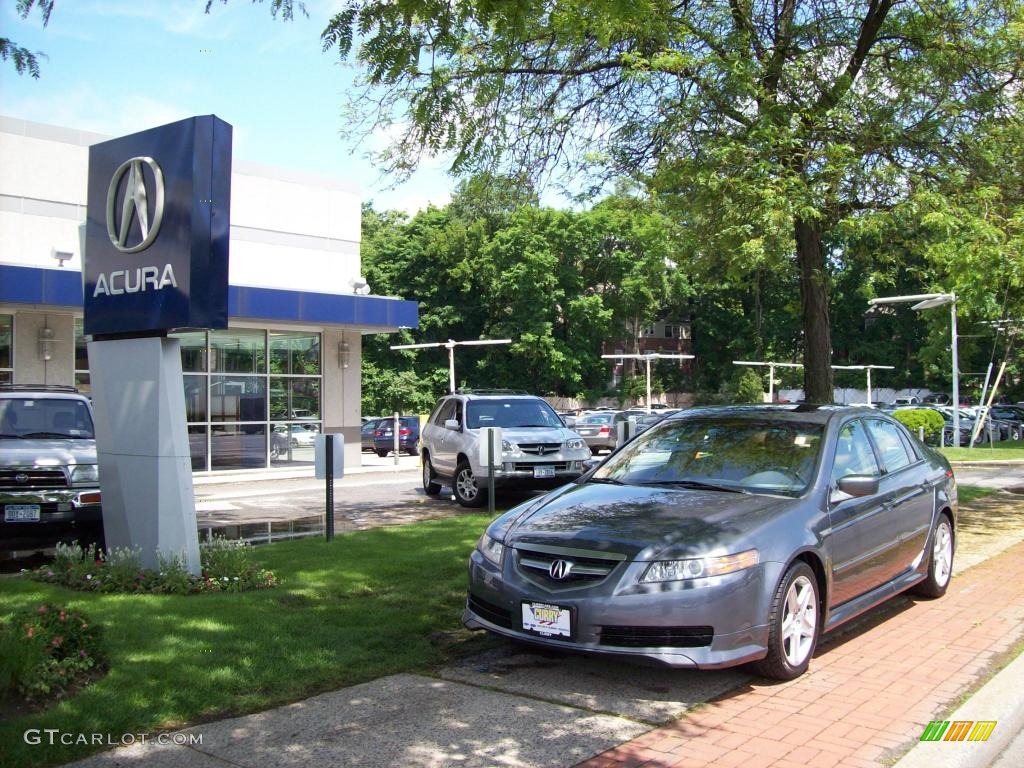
x=541 y=473
x=554 y=621
x=22 y=513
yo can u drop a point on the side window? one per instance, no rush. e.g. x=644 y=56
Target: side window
x=853 y=453
x=445 y=412
x=890 y=446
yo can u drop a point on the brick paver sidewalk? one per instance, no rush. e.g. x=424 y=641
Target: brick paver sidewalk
x=869 y=693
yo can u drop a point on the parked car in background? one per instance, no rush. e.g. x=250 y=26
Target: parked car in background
x=49 y=474
x=599 y=429
x=938 y=398
x=1012 y=415
x=408 y=435
x=722 y=536
x=285 y=437
x=366 y=434
x=538 y=451
x=905 y=400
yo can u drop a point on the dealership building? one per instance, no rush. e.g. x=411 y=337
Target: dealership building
x=298 y=305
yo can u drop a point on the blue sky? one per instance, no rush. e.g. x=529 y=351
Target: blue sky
x=120 y=66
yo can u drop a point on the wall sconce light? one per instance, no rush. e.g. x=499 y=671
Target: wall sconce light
x=46 y=343
x=344 y=354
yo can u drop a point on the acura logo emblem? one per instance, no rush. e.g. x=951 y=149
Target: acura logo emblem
x=560 y=570
x=21 y=477
x=135 y=204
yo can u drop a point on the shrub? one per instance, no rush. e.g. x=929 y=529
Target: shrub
x=914 y=418
x=46 y=650
x=749 y=388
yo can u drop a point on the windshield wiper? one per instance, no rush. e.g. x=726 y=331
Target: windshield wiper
x=605 y=480
x=698 y=485
x=39 y=435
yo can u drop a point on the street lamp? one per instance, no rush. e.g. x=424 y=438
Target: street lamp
x=648 y=357
x=450 y=346
x=771 y=373
x=867 y=368
x=928 y=301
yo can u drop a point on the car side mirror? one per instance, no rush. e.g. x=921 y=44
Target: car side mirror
x=858 y=485
x=451 y=424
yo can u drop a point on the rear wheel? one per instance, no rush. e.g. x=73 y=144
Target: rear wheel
x=382 y=454
x=794 y=625
x=940 y=564
x=429 y=486
x=464 y=485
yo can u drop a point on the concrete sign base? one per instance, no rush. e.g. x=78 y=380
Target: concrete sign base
x=142 y=445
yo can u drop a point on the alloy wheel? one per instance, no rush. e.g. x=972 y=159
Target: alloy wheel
x=800 y=621
x=942 y=554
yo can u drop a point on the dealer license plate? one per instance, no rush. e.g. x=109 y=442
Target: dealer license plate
x=543 y=471
x=21 y=513
x=547 y=620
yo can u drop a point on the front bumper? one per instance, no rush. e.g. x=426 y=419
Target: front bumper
x=64 y=515
x=523 y=475
x=735 y=608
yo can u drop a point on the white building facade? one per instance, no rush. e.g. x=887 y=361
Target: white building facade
x=288 y=363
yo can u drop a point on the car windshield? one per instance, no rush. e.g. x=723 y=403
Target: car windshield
x=759 y=456
x=45 y=417
x=510 y=414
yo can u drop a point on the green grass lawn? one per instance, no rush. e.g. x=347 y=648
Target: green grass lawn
x=368 y=604
x=968 y=493
x=1002 y=451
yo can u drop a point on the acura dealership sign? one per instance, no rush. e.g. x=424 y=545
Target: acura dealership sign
x=156 y=252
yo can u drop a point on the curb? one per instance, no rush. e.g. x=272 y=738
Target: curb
x=999 y=699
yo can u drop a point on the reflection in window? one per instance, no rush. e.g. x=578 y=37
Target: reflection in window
x=294 y=398
x=238 y=447
x=238 y=398
x=193 y=351
x=6 y=353
x=195 y=398
x=295 y=353
x=292 y=444
x=237 y=350
x=197 y=447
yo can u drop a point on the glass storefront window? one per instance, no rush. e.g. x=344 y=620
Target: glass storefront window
x=82 y=381
x=292 y=443
x=294 y=398
x=238 y=398
x=238 y=350
x=242 y=446
x=295 y=353
x=195 y=398
x=197 y=447
x=6 y=348
x=193 y=351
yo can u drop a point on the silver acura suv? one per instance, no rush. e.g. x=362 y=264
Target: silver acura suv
x=537 y=452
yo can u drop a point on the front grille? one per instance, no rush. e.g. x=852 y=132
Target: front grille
x=35 y=478
x=587 y=570
x=656 y=637
x=527 y=466
x=489 y=611
x=540 y=449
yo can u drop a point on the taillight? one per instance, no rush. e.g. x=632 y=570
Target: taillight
x=404 y=431
x=378 y=433
x=605 y=430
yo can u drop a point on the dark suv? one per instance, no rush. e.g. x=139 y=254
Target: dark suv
x=49 y=477
x=408 y=435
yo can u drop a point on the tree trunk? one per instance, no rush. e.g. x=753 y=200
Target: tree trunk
x=814 y=313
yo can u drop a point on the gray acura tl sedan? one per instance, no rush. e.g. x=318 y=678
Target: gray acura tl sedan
x=723 y=536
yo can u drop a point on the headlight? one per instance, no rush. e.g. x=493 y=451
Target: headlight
x=699 y=568
x=85 y=473
x=575 y=444
x=491 y=549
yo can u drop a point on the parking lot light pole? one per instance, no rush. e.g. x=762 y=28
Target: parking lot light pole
x=867 y=368
x=648 y=357
x=928 y=301
x=771 y=372
x=450 y=345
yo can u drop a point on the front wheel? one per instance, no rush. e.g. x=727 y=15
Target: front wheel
x=429 y=486
x=940 y=564
x=464 y=485
x=794 y=625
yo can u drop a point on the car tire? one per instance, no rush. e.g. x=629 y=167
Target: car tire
x=464 y=486
x=940 y=561
x=794 y=625
x=382 y=454
x=429 y=486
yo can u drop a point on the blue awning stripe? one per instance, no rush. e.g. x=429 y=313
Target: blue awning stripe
x=63 y=288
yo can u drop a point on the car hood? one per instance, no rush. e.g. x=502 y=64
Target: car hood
x=644 y=523
x=47 y=453
x=537 y=434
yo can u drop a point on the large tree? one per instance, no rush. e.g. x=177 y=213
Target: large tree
x=766 y=123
